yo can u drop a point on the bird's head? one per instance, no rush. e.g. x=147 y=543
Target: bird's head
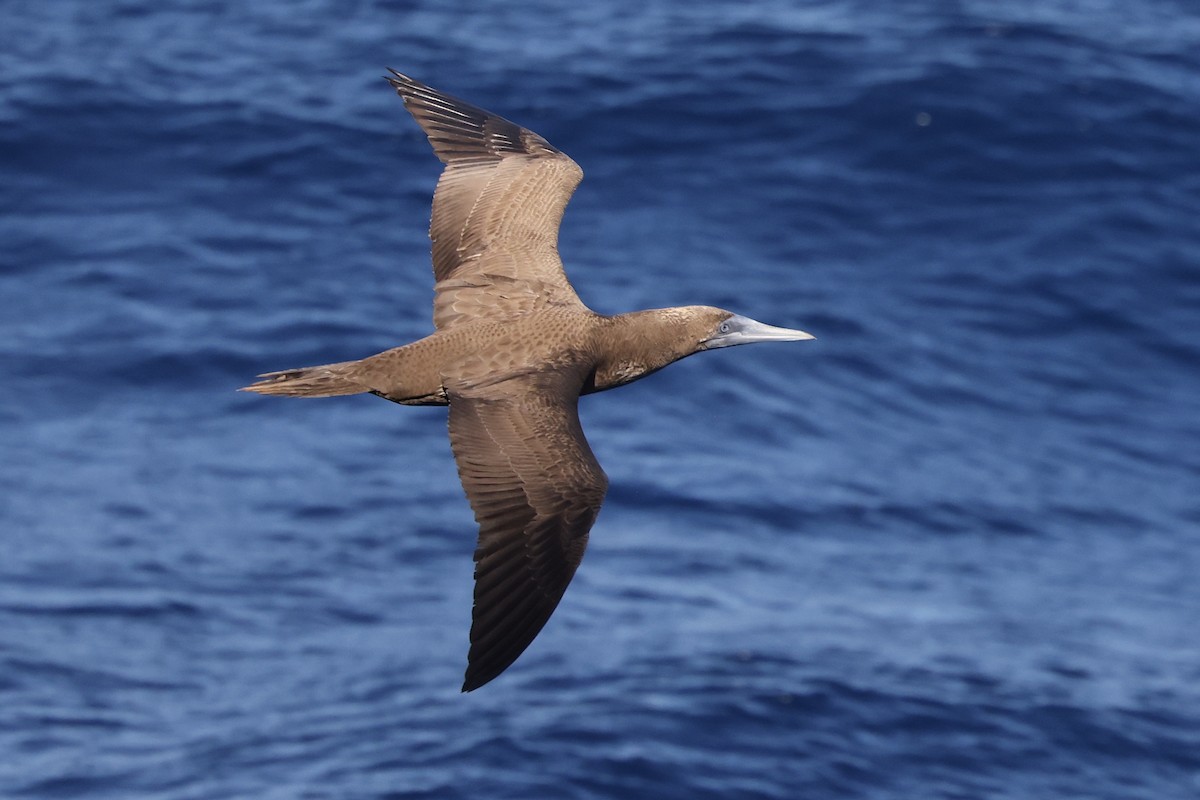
x=643 y=342
x=717 y=327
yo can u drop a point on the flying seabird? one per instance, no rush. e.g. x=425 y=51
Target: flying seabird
x=513 y=350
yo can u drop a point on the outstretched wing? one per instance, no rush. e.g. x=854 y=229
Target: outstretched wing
x=536 y=489
x=496 y=210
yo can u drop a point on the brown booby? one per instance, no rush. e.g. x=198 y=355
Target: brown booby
x=513 y=350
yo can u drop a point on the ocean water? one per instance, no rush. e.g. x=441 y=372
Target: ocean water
x=950 y=549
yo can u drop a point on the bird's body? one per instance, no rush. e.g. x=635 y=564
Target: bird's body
x=601 y=353
x=513 y=350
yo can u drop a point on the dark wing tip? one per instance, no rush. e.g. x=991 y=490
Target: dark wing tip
x=471 y=682
x=503 y=628
x=483 y=668
x=400 y=80
x=412 y=90
x=408 y=88
x=459 y=130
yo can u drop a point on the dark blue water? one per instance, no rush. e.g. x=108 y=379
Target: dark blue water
x=950 y=549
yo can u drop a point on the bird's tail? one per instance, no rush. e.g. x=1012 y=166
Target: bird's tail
x=329 y=380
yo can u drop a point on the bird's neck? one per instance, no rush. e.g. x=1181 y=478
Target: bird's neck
x=631 y=346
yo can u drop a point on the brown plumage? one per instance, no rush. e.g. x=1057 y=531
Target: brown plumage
x=514 y=348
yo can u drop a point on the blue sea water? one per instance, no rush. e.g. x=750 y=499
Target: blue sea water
x=950 y=549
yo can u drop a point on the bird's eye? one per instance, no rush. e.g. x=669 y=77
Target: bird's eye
x=725 y=327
